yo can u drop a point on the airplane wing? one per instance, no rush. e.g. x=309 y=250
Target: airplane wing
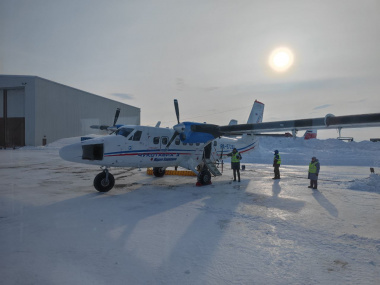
x=327 y=122
x=192 y=132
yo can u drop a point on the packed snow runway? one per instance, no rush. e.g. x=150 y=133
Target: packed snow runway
x=55 y=228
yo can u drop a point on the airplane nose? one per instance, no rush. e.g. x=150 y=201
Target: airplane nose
x=72 y=152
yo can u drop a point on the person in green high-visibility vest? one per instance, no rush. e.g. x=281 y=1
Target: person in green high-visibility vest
x=314 y=168
x=235 y=163
x=276 y=164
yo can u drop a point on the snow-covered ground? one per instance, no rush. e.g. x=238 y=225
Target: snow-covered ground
x=56 y=229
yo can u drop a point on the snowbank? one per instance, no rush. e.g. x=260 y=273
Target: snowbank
x=369 y=184
x=329 y=152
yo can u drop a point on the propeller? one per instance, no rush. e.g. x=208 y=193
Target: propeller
x=113 y=128
x=176 y=109
x=179 y=128
x=116 y=116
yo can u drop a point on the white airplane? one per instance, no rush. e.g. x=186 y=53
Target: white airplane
x=194 y=146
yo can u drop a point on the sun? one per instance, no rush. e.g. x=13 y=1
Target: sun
x=281 y=59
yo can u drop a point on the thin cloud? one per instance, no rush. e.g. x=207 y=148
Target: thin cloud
x=123 y=96
x=318 y=84
x=322 y=107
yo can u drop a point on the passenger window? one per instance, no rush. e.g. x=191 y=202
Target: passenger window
x=156 y=140
x=190 y=143
x=164 y=140
x=177 y=141
x=215 y=143
x=197 y=144
x=184 y=143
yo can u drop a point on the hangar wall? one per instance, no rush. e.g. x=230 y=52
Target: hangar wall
x=58 y=111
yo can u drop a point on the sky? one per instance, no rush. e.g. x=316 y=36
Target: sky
x=210 y=55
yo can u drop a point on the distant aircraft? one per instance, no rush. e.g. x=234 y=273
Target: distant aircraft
x=191 y=145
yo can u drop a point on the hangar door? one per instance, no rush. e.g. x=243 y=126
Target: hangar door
x=12 y=117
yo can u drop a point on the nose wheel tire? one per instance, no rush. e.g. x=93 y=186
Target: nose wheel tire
x=204 y=177
x=158 y=171
x=104 y=182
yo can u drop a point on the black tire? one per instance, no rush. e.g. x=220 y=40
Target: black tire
x=101 y=184
x=204 y=177
x=158 y=171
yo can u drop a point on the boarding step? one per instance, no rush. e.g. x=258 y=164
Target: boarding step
x=212 y=167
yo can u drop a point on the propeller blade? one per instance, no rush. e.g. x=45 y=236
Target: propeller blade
x=101 y=127
x=172 y=139
x=116 y=116
x=176 y=109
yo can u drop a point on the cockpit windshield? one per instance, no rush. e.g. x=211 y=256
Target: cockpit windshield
x=124 y=132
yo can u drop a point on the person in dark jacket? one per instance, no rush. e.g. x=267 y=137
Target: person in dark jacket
x=314 y=168
x=235 y=163
x=276 y=164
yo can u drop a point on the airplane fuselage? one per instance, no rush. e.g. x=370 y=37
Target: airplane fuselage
x=142 y=146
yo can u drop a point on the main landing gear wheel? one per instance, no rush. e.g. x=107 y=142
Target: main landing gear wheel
x=104 y=181
x=204 y=177
x=158 y=171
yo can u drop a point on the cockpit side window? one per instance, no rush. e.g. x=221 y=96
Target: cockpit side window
x=124 y=132
x=136 y=136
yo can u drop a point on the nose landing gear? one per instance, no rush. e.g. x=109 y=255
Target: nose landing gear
x=104 y=181
x=204 y=177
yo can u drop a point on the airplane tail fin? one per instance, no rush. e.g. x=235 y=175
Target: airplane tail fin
x=310 y=134
x=257 y=113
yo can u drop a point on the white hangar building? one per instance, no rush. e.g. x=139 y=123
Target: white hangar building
x=34 y=110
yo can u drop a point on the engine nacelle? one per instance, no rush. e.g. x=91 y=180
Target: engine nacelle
x=327 y=117
x=189 y=136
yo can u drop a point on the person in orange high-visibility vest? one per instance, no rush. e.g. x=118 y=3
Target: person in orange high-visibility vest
x=314 y=168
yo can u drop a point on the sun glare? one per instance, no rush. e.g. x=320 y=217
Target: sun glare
x=281 y=59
